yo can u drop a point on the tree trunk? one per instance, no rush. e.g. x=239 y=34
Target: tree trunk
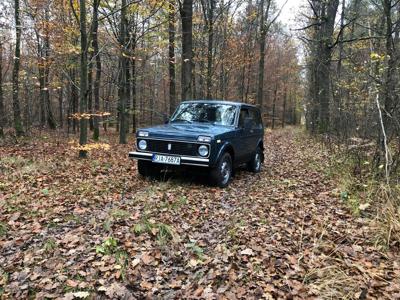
x=171 y=56
x=123 y=65
x=83 y=80
x=209 y=8
x=96 y=85
x=2 y=112
x=284 y=106
x=133 y=89
x=186 y=11
x=389 y=82
x=15 y=87
x=325 y=13
x=49 y=112
x=274 y=106
x=74 y=99
x=90 y=88
x=261 y=63
x=60 y=106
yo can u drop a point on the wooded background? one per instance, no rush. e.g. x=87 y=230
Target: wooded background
x=82 y=65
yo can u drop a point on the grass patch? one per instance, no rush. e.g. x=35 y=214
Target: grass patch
x=361 y=188
x=195 y=250
x=119 y=214
x=387 y=222
x=109 y=246
x=49 y=245
x=333 y=283
x=3 y=229
x=161 y=231
x=3 y=281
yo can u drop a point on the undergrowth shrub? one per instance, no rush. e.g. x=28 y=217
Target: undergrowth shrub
x=362 y=187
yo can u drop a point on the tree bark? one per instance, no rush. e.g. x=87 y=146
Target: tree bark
x=261 y=63
x=284 y=106
x=83 y=80
x=171 y=56
x=2 y=112
x=209 y=8
x=19 y=130
x=60 y=106
x=274 y=105
x=49 y=112
x=389 y=81
x=186 y=11
x=123 y=65
x=96 y=85
x=90 y=88
x=322 y=48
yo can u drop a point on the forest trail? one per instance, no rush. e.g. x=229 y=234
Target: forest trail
x=68 y=230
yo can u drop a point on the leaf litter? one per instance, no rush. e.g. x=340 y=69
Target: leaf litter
x=80 y=229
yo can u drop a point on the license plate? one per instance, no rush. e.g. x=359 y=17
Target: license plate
x=165 y=159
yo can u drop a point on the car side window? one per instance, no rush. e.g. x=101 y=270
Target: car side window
x=244 y=113
x=255 y=115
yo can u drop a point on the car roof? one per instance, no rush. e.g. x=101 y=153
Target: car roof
x=220 y=102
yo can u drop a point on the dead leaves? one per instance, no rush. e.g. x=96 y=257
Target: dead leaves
x=278 y=234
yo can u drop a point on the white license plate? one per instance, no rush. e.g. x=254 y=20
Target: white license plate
x=165 y=159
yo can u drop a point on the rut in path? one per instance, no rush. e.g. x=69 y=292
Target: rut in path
x=283 y=233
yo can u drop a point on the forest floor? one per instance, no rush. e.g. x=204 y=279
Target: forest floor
x=93 y=228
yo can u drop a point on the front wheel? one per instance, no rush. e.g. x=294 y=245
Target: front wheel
x=222 y=173
x=254 y=165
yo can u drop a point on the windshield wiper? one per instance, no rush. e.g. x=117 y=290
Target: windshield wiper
x=205 y=121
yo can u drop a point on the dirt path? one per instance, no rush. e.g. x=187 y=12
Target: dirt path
x=69 y=231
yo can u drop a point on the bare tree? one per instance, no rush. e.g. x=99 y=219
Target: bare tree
x=83 y=93
x=17 y=59
x=123 y=69
x=171 y=56
x=209 y=12
x=96 y=54
x=186 y=10
x=2 y=111
x=322 y=45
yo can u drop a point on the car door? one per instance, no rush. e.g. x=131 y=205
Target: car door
x=244 y=137
x=257 y=129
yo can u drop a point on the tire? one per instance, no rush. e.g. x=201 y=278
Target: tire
x=254 y=165
x=148 y=169
x=221 y=175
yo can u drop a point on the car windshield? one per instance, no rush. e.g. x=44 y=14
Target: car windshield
x=216 y=114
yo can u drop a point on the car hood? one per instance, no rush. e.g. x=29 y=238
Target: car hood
x=185 y=131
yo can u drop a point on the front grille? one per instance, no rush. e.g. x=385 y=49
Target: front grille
x=177 y=148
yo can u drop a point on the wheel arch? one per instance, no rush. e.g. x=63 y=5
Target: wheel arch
x=261 y=145
x=227 y=147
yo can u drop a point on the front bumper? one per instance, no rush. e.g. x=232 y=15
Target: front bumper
x=185 y=160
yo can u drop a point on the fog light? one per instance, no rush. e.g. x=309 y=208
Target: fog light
x=203 y=150
x=142 y=145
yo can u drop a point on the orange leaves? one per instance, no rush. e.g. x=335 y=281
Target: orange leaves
x=87 y=116
x=91 y=147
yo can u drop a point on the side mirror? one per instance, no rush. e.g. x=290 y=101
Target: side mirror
x=248 y=123
x=166 y=120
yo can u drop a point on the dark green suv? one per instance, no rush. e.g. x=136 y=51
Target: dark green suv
x=217 y=135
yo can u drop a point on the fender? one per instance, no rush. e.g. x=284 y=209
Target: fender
x=226 y=146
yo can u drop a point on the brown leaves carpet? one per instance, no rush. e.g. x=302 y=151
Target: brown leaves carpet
x=93 y=229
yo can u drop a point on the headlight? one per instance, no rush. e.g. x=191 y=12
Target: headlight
x=142 y=145
x=143 y=133
x=204 y=139
x=203 y=150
